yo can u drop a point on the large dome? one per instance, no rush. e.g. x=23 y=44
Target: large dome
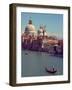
x=30 y=28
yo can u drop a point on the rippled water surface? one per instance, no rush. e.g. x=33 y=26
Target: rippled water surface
x=34 y=63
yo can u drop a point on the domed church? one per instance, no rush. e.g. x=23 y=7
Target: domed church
x=30 y=29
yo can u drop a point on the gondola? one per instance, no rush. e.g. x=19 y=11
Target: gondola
x=50 y=70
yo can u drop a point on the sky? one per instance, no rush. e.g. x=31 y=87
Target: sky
x=53 y=22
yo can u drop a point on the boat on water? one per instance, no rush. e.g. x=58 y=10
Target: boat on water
x=26 y=53
x=51 y=70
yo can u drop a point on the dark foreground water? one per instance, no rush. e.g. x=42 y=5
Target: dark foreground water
x=34 y=63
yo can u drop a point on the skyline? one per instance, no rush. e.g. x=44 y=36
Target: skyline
x=53 y=22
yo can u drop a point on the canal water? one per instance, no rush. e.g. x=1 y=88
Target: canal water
x=34 y=64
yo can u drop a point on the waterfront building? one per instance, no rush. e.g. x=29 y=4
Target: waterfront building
x=40 y=41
